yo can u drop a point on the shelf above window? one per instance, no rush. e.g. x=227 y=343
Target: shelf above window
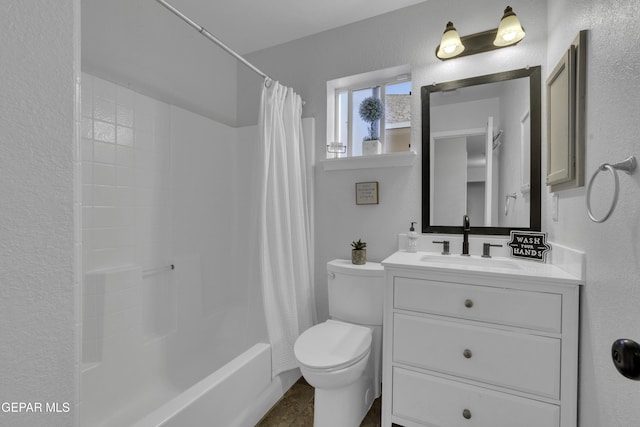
x=406 y=158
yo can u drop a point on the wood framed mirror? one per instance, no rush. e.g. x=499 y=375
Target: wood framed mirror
x=475 y=153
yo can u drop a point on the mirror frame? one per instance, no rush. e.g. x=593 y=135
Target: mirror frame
x=535 y=101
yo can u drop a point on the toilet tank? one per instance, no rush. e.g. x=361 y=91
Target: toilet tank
x=356 y=292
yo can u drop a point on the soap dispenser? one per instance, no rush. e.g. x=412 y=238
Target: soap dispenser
x=412 y=239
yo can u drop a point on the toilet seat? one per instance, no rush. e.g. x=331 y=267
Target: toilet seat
x=332 y=345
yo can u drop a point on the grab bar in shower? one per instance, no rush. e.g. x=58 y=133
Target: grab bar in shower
x=157 y=270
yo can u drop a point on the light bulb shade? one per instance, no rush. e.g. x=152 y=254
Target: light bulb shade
x=509 y=31
x=450 y=45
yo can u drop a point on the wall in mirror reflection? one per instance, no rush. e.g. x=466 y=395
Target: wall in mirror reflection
x=466 y=124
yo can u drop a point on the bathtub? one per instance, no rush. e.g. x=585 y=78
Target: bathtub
x=238 y=394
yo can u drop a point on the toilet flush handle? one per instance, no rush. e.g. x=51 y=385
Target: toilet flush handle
x=331 y=275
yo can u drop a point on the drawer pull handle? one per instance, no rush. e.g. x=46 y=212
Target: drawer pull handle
x=466 y=414
x=467 y=353
x=468 y=303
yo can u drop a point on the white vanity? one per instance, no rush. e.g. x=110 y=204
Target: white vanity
x=470 y=341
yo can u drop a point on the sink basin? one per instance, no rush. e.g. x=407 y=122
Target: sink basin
x=458 y=261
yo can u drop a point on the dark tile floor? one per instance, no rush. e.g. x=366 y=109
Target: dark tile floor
x=295 y=409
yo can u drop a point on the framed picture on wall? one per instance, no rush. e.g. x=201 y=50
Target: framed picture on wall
x=367 y=193
x=566 y=119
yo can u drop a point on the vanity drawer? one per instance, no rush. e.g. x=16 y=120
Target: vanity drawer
x=525 y=362
x=526 y=309
x=435 y=401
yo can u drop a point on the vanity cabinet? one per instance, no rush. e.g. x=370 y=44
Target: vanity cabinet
x=482 y=349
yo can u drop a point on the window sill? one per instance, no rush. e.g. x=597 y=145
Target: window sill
x=401 y=159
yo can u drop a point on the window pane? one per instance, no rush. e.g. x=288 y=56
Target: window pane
x=342 y=131
x=398 y=117
x=398 y=104
x=360 y=128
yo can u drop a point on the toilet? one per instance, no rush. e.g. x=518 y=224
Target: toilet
x=342 y=357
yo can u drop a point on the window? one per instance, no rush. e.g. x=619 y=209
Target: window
x=347 y=130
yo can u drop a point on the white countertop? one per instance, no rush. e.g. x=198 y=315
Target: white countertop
x=505 y=267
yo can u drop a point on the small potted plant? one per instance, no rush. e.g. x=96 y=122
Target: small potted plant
x=359 y=252
x=371 y=109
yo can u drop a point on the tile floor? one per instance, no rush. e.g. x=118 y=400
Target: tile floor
x=295 y=409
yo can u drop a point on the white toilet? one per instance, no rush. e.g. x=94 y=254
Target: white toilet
x=342 y=357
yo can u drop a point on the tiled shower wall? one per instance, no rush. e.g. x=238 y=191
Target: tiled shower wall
x=126 y=181
x=126 y=175
x=161 y=186
x=127 y=314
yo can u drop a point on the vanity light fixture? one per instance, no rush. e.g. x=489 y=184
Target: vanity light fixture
x=508 y=33
x=450 y=45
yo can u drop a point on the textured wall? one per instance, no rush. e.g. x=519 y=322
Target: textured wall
x=143 y=46
x=610 y=299
x=37 y=355
x=612 y=293
x=146 y=167
x=126 y=228
x=513 y=110
x=406 y=36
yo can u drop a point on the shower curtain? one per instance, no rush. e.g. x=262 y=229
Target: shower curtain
x=285 y=249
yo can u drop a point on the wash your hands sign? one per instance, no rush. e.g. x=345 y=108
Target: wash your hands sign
x=529 y=245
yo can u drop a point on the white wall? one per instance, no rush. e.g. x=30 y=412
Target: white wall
x=513 y=109
x=144 y=47
x=449 y=180
x=127 y=228
x=612 y=295
x=160 y=187
x=406 y=36
x=464 y=115
x=37 y=283
x=37 y=356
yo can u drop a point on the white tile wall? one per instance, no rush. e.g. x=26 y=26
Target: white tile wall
x=160 y=185
x=126 y=175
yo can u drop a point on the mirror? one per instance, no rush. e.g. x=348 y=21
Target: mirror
x=481 y=153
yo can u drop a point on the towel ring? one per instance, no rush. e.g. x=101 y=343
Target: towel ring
x=628 y=165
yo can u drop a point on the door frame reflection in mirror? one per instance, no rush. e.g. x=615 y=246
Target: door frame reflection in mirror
x=535 y=101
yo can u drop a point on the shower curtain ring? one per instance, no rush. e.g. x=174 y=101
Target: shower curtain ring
x=268 y=81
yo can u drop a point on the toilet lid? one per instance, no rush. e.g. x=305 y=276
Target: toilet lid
x=332 y=344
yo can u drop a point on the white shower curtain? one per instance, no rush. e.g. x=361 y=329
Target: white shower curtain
x=285 y=250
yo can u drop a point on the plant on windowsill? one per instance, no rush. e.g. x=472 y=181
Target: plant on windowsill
x=359 y=252
x=371 y=109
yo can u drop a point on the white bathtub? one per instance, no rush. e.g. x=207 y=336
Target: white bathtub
x=238 y=394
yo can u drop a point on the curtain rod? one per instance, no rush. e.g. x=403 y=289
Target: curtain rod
x=216 y=40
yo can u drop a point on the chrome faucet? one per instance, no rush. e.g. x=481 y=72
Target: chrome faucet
x=465 y=235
